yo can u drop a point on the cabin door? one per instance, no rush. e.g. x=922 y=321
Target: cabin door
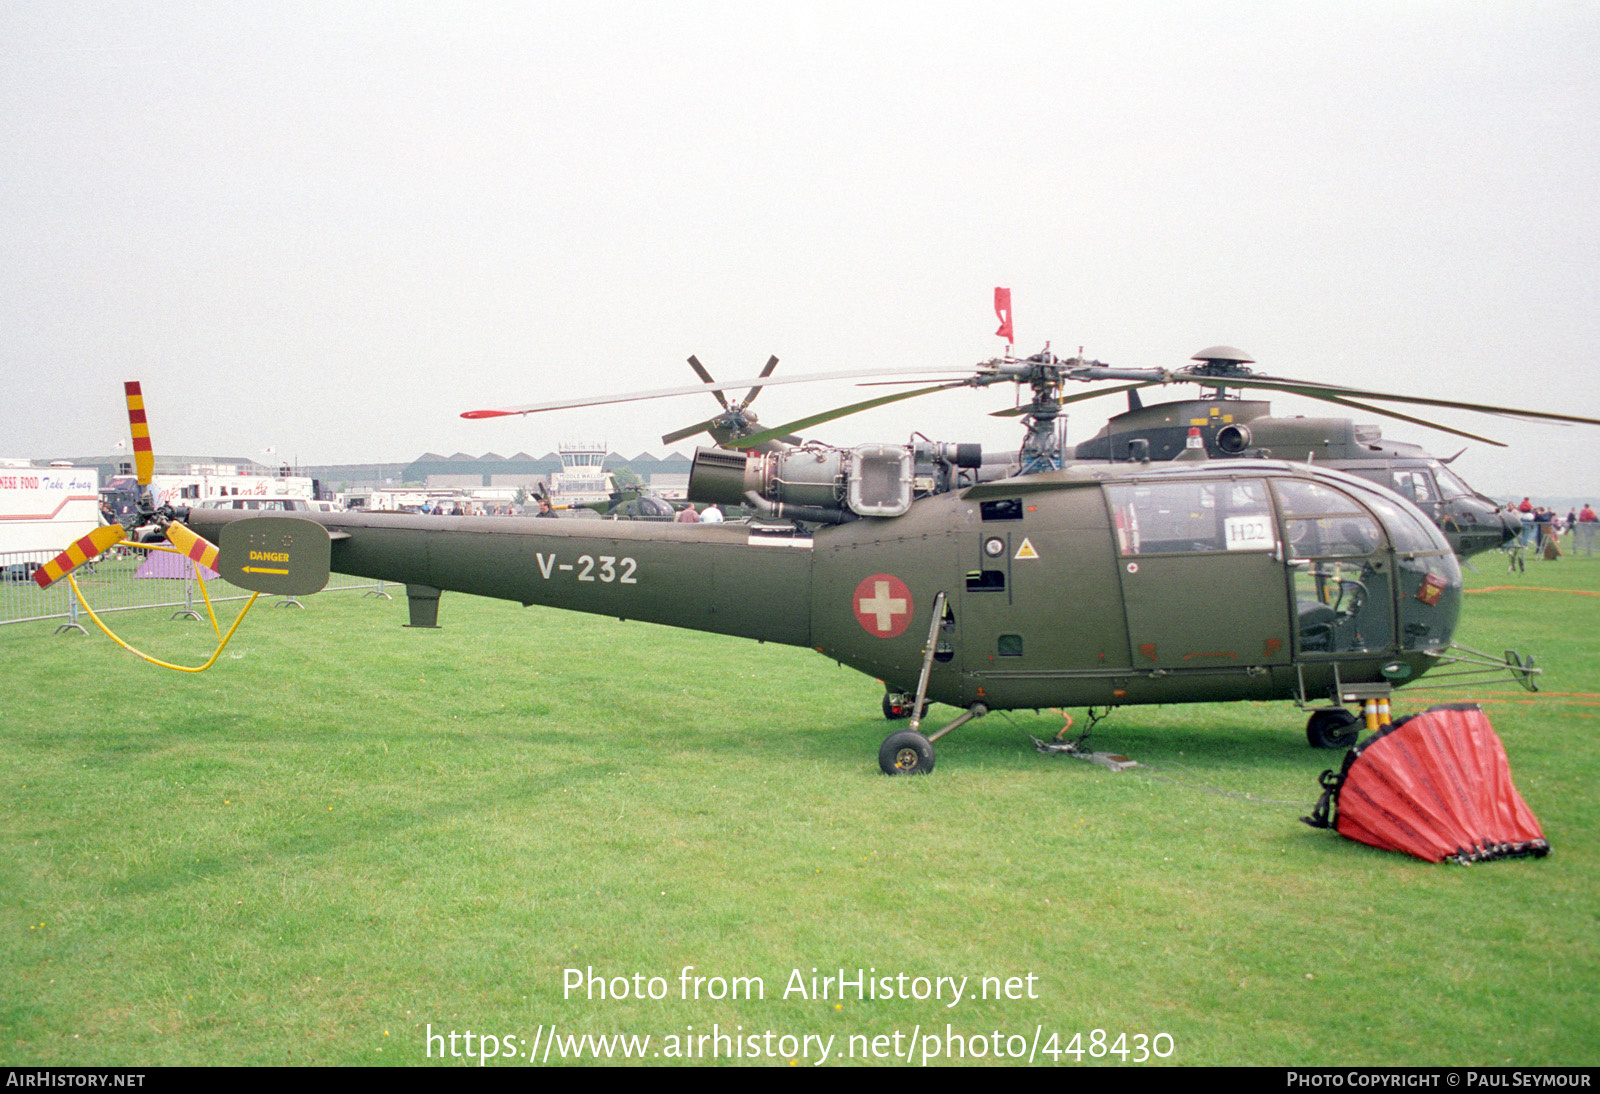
x=1203 y=577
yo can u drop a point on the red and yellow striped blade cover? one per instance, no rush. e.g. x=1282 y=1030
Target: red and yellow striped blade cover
x=144 y=459
x=1437 y=785
x=200 y=550
x=81 y=551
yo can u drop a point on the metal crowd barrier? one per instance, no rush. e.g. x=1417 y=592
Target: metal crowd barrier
x=1583 y=536
x=110 y=583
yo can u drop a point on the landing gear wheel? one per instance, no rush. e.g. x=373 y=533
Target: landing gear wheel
x=1333 y=729
x=906 y=753
x=897 y=705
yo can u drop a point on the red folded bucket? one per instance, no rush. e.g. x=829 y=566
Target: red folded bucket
x=1435 y=785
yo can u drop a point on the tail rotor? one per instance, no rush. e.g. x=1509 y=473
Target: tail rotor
x=736 y=420
x=97 y=542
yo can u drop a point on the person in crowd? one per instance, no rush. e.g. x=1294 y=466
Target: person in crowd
x=1549 y=543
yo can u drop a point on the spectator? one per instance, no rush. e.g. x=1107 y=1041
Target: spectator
x=1544 y=520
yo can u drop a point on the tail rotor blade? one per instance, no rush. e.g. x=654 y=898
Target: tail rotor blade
x=700 y=371
x=750 y=397
x=81 y=551
x=688 y=431
x=198 y=549
x=780 y=432
x=144 y=459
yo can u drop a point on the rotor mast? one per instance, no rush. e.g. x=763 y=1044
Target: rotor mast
x=1041 y=446
x=1224 y=362
x=1046 y=374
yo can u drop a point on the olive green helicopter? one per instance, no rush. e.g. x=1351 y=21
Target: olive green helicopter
x=987 y=582
x=1229 y=426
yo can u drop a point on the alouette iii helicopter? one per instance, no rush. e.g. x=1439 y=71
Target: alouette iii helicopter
x=1027 y=581
x=1229 y=426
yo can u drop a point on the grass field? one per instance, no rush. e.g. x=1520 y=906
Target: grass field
x=348 y=833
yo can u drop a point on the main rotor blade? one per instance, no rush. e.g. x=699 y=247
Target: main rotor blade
x=696 y=389
x=778 y=432
x=750 y=397
x=1317 y=390
x=1019 y=411
x=1370 y=409
x=700 y=371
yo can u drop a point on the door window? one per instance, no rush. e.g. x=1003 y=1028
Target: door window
x=1186 y=517
x=1344 y=599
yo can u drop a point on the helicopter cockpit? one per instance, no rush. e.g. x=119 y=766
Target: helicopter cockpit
x=1369 y=570
x=1367 y=573
x=1470 y=521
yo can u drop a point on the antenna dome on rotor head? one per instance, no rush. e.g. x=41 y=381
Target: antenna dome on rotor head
x=1224 y=353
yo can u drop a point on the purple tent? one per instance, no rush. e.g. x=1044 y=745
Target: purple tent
x=165 y=564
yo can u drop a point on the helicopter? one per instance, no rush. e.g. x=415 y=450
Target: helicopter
x=1230 y=426
x=1052 y=585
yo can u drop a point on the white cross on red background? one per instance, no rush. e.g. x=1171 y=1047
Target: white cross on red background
x=882 y=605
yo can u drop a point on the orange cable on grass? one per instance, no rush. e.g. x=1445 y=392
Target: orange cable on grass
x=1529 y=589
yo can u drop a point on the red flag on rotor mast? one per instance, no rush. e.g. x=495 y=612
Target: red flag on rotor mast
x=1002 y=311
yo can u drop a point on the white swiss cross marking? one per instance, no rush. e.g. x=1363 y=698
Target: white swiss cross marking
x=882 y=605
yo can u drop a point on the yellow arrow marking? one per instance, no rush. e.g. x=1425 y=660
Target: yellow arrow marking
x=262 y=570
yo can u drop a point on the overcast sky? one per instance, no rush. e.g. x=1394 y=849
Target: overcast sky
x=331 y=227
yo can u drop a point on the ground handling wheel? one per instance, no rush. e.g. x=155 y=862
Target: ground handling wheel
x=1336 y=728
x=906 y=753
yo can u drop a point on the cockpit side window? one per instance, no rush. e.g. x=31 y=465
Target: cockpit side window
x=1321 y=522
x=1309 y=499
x=1415 y=485
x=1410 y=534
x=1343 y=595
x=1450 y=486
